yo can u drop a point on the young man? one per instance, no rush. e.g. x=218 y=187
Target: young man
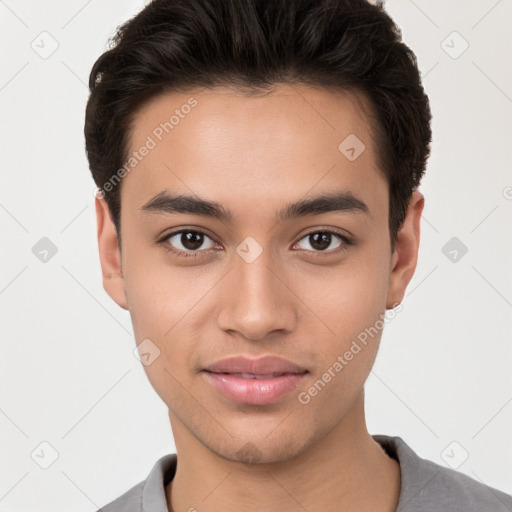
x=258 y=162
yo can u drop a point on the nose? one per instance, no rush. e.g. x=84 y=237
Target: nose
x=257 y=301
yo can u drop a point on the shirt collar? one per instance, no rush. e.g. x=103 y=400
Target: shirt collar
x=153 y=492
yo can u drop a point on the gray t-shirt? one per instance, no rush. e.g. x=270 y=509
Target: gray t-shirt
x=425 y=486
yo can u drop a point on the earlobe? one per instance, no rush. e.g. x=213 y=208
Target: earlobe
x=110 y=255
x=405 y=255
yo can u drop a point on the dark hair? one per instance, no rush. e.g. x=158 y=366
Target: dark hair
x=351 y=45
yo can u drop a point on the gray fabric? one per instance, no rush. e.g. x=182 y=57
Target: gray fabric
x=425 y=487
x=429 y=487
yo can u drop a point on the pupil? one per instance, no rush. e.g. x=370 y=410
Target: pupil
x=191 y=240
x=323 y=243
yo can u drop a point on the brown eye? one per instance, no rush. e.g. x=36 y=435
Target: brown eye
x=188 y=241
x=323 y=240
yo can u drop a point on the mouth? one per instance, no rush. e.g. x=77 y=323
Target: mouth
x=254 y=381
x=254 y=375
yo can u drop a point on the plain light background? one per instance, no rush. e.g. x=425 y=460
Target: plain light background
x=442 y=380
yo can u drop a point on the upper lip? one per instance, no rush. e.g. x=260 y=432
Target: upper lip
x=261 y=366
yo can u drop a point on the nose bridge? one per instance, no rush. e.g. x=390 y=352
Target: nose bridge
x=257 y=301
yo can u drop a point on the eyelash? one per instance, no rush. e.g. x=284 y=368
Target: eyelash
x=194 y=254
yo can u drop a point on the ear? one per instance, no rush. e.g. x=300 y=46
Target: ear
x=405 y=255
x=110 y=255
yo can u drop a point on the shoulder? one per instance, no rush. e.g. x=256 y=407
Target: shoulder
x=430 y=487
x=454 y=491
x=148 y=494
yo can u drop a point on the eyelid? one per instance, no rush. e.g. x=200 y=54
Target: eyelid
x=345 y=239
x=334 y=231
x=178 y=252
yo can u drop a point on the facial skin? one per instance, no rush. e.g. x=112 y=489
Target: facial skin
x=253 y=156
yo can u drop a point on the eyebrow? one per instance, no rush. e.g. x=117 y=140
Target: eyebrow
x=164 y=203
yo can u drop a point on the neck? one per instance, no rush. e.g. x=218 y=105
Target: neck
x=345 y=470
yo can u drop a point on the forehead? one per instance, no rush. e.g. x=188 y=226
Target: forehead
x=260 y=147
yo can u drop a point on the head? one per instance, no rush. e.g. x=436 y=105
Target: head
x=290 y=138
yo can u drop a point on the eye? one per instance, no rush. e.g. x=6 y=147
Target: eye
x=186 y=243
x=321 y=241
x=189 y=243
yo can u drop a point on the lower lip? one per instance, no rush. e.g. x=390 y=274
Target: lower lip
x=254 y=391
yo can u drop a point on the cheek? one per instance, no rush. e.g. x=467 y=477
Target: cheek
x=351 y=304
x=352 y=308
x=346 y=299
x=160 y=315
x=158 y=295
x=165 y=308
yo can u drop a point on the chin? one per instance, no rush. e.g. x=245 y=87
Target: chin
x=263 y=452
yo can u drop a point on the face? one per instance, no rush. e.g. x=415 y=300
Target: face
x=250 y=276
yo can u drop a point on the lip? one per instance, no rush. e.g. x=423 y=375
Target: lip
x=259 y=366
x=254 y=381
